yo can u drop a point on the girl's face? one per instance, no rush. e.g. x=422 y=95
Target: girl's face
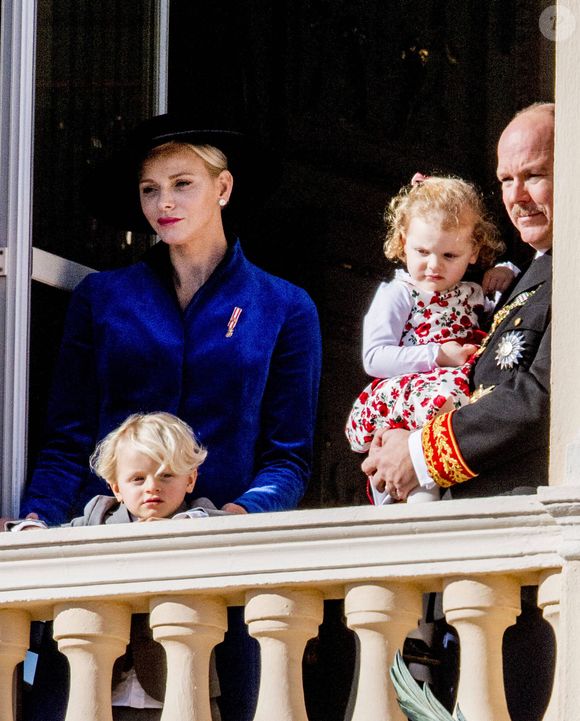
x=436 y=258
x=180 y=198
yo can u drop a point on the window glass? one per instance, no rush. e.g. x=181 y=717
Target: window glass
x=95 y=77
x=95 y=65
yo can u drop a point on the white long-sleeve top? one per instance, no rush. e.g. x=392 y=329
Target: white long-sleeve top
x=386 y=353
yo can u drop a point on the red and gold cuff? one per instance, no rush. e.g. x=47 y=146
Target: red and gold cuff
x=445 y=463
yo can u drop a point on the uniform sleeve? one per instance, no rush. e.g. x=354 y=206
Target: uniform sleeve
x=62 y=466
x=383 y=356
x=474 y=439
x=284 y=452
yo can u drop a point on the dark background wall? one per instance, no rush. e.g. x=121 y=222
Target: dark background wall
x=354 y=96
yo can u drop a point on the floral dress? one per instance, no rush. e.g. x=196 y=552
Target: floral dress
x=411 y=399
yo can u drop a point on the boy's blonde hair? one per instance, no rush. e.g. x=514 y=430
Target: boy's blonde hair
x=454 y=201
x=163 y=437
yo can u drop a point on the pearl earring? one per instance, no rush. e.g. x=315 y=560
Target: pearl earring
x=221 y=202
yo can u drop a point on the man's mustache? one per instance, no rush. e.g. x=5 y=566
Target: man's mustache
x=524 y=209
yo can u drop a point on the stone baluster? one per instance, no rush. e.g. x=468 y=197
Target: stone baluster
x=569 y=649
x=188 y=627
x=381 y=615
x=282 y=621
x=481 y=609
x=549 y=602
x=91 y=634
x=14 y=640
x=563 y=504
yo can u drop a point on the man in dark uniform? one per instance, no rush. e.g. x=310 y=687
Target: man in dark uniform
x=499 y=442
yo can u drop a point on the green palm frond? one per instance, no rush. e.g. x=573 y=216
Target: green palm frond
x=417 y=703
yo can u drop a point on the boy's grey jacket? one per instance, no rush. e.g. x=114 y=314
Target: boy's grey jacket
x=104 y=510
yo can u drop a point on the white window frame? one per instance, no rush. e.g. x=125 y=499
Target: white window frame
x=17 y=43
x=18 y=261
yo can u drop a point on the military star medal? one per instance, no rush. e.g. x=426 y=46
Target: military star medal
x=509 y=350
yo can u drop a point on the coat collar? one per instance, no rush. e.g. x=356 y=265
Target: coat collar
x=157 y=258
x=158 y=261
x=539 y=271
x=119 y=515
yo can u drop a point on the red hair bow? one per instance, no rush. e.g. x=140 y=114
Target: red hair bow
x=419 y=178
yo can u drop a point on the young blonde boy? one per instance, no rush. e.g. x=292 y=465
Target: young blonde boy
x=150 y=463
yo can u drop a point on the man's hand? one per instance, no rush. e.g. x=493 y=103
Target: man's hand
x=452 y=354
x=389 y=464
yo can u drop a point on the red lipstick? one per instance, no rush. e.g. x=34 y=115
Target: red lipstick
x=167 y=220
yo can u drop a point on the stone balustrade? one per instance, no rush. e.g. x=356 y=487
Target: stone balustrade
x=282 y=567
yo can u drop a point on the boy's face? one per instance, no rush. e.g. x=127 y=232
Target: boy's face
x=148 y=495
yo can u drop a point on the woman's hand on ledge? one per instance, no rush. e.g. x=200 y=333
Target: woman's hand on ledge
x=233 y=508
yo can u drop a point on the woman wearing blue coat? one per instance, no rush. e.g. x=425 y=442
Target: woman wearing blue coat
x=194 y=329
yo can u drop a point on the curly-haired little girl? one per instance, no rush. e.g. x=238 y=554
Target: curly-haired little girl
x=422 y=329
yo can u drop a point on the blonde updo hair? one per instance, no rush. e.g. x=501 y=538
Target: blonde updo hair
x=163 y=437
x=453 y=203
x=215 y=160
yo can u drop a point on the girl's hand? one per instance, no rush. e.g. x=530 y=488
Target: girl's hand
x=453 y=354
x=497 y=279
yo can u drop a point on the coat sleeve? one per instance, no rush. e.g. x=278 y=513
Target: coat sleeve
x=288 y=413
x=72 y=419
x=384 y=323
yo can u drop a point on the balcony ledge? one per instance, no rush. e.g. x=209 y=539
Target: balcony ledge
x=328 y=548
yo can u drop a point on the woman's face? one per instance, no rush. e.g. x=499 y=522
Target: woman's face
x=180 y=198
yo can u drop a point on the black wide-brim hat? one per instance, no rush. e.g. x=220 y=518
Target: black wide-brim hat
x=113 y=184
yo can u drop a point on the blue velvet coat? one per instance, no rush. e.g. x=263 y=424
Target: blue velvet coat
x=250 y=396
